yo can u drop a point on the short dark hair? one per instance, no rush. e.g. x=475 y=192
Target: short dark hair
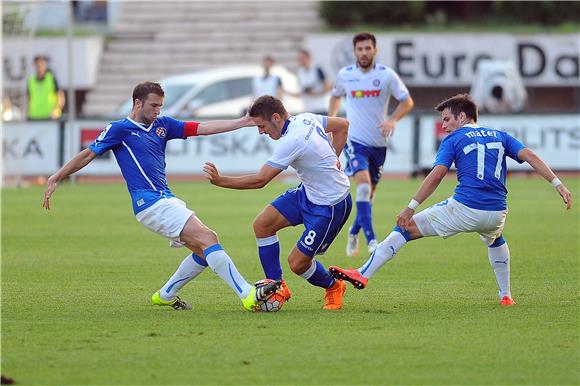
x=265 y=106
x=143 y=89
x=459 y=103
x=362 y=37
x=304 y=52
x=38 y=58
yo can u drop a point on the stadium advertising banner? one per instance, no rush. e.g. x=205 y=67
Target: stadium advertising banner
x=32 y=148
x=451 y=59
x=555 y=138
x=29 y=148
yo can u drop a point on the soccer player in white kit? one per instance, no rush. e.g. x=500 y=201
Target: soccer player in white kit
x=480 y=200
x=367 y=87
x=321 y=202
x=138 y=143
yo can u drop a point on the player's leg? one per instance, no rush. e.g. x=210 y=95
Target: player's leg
x=316 y=274
x=283 y=212
x=188 y=270
x=197 y=235
x=418 y=227
x=490 y=226
x=322 y=223
x=364 y=215
x=266 y=226
x=498 y=254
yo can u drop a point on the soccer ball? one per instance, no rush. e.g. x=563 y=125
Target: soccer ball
x=273 y=302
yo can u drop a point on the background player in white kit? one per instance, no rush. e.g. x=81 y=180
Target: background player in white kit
x=367 y=86
x=138 y=143
x=321 y=202
x=480 y=200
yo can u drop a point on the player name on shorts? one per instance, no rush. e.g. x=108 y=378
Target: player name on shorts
x=481 y=133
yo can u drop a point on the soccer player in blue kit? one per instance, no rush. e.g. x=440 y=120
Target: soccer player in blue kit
x=138 y=143
x=321 y=202
x=367 y=87
x=480 y=200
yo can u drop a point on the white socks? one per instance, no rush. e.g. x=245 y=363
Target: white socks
x=188 y=270
x=224 y=267
x=384 y=252
x=499 y=258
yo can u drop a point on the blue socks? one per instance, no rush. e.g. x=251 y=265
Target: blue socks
x=269 y=251
x=318 y=275
x=364 y=217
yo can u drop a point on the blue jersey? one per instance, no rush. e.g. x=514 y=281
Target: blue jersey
x=479 y=155
x=140 y=153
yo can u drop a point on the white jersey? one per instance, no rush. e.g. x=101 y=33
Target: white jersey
x=304 y=145
x=312 y=80
x=367 y=98
x=265 y=85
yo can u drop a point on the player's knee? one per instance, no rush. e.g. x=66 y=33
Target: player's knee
x=363 y=192
x=259 y=227
x=298 y=266
x=498 y=242
x=206 y=238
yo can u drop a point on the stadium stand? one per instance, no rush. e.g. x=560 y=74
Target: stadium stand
x=153 y=40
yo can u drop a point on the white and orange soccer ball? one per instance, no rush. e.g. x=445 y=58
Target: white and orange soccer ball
x=273 y=302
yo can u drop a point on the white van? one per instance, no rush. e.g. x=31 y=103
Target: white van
x=221 y=92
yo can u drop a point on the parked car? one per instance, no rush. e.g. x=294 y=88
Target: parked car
x=221 y=92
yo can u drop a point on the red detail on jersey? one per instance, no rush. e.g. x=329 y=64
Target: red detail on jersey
x=365 y=93
x=190 y=129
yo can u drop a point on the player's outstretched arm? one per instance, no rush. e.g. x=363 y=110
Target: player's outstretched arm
x=545 y=171
x=222 y=126
x=333 y=106
x=428 y=186
x=388 y=126
x=78 y=162
x=339 y=129
x=251 y=181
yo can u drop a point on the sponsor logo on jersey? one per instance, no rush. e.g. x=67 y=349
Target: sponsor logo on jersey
x=135 y=133
x=365 y=93
x=161 y=132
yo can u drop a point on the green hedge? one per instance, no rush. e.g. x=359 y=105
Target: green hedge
x=388 y=13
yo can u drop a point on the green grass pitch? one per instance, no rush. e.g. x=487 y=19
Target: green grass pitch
x=76 y=283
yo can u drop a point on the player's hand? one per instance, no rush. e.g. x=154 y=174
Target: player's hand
x=212 y=173
x=246 y=121
x=388 y=128
x=565 y=194
x=50 y=188
x=404 y=217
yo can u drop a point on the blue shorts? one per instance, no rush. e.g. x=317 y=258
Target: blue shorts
x=360 y=157
x=322 y=222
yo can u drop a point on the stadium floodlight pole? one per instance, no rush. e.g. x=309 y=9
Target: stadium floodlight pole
x=71 y=116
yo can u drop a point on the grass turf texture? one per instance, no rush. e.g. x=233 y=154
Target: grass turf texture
x=76 y=283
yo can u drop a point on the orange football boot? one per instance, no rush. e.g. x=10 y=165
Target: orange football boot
x=507 y=301
x=285 y=290
x=334 y=295
x=351 y=275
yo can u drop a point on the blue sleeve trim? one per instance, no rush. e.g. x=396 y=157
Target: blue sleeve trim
x=94 y=149
x=320 y=74
x=213 y=248
x=498 y=242
x=405 y=234
x=324 y=121
x=277 y=166
x=199 y=260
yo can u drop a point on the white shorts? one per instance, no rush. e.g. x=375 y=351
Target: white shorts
x=166 y=217
x=450 y=217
